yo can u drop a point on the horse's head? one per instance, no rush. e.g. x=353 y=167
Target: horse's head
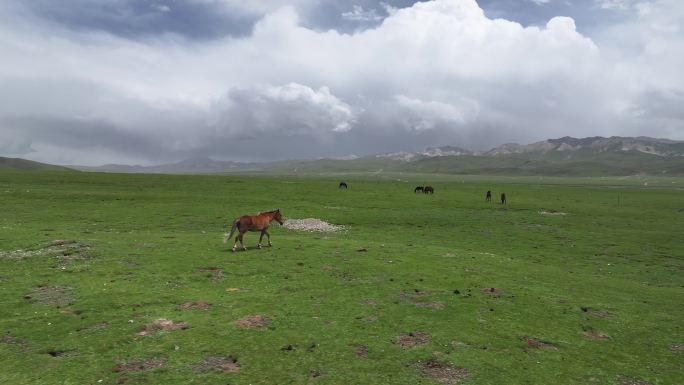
x=277 y=216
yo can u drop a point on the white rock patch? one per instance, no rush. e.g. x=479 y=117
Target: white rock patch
x=311 y=224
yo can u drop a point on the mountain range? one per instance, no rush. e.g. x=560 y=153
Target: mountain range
x=567 y=156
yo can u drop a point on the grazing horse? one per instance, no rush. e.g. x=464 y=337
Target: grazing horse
x=259 y=222
x=503 y=198
x=419 y=188
x=343 y=184
x=488 y=198
x=428 y=190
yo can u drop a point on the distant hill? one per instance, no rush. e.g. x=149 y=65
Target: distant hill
x=23 y=164
x=201 y=165
x=595 y=156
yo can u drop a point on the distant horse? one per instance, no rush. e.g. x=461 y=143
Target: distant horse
x=503 y=198
x=419 y=188
x=259 y=222
x=428 y=190
x=343 y=184
x=488 y=198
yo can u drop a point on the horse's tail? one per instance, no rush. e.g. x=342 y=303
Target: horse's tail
x=232 y=231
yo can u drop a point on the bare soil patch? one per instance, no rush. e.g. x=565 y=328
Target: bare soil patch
x=64 y=250
x=551 y=212
x=343 y=275
x=361 y=350
x=596 y=335
x=492 y=291
x=632 y=381
x=8 y=339
x=213 y=273
x=412 y=339
x=255 y=321
x=443 y=373
x=311 y=224
x=140 y=365
x=218 y=364
x=162 y=324
x=198 y=305
x=596 y=312
x=52 y=295
x=535 y=343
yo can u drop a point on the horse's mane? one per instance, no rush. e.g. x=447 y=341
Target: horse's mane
x=268 y=212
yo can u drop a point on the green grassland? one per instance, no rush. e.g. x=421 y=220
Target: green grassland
x=506 y=293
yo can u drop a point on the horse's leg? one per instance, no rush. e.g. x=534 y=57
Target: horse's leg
x=236 y=241
x=242 y=234
x=260 y=238
x=269 y=237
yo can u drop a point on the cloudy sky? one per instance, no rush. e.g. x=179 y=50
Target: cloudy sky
x=151 y=81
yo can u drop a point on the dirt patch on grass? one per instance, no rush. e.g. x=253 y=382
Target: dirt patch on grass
x=51 y=295
x=64 y=250
x=361 y=350
x=416 y=297
x=596 y=335
x=311 y=224
x=632 y=381
x=198 y=305
x=412 y=339
x=343 y=275
x=218 y=364
x=140 y=365
x=213 y=273
x=162 y=324
x=535 y=343
x=9 y=340
x=443 y=373
x=495 y=291
x=677 y=348
x=255 y=321
x=596 y=312
x=551 y=212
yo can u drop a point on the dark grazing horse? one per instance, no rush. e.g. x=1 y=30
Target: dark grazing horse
x=428 y=190
x=503 y=198
x=488 y=198
x=342 y=184
x=259 y=222
x=419 y=188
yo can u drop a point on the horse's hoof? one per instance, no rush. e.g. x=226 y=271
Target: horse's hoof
x=259 y=246
x=234 y=249
x=244 y=248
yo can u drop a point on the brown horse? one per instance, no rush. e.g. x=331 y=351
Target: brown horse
x=488 y=197
x=503 y=198
x=259 y=222
x=428 y=190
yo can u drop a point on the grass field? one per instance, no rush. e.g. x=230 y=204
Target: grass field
x=417 y=290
